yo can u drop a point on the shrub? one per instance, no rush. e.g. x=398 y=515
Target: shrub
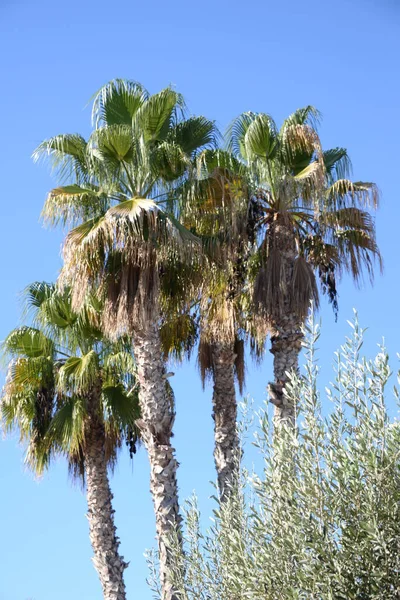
x=323 y=519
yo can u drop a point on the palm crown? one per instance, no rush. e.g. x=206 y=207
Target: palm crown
x=120 y=196
x=310 y=207
x=55 y=367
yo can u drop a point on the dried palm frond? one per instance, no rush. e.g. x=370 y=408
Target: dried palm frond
x=179 y=336
x=304 y=288
x=240 y=364
x=205 y=360
x=270 y=286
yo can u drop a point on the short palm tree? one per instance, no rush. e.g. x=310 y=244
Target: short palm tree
x=69 y=392
x=120 y=196
x=315 y=225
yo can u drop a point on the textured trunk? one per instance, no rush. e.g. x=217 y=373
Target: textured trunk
x=285 y=346
x=157 y=419
x=226 y=451
x=286 y=332
x=107 y=560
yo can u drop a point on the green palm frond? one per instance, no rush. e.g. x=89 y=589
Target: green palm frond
x=308 y=115
x=210 y=160
x=120 y=406
x=66 y=429
x=236 y=134
x=51 y=309
x=67 y=154
x=113 y=144
x=194 y=133
x=37 y=293
x=117 y=101
x=260 y=139
x=79 y=374
x=117 y=366
x=337 y=164
x=28 y=342
x=158 y=114
x=169 y=161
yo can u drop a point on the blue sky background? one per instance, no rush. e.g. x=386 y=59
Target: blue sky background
x=226 y=58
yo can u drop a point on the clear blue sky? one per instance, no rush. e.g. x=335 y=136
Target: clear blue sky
x=225 y=57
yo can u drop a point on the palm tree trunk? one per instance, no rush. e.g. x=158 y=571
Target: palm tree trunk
x=285 y=346
x=286 y=334
x=226 y=450
x=107 y=561
x=157 y=419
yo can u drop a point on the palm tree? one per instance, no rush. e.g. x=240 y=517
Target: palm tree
x=315 y=225
x=218 y=210
x=69 y=392
x=127 y=236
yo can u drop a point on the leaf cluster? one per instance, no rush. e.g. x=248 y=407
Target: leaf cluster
x=322 y=521
x=58 y=368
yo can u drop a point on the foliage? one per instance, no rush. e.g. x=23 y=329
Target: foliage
x=322 y=522
x=312 y=214
x=120 y=199
x=55 y=367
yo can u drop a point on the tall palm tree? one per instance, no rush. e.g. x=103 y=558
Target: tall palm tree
x=127 y=236
x=315 y=225
x=69 y=392
x=218 y=210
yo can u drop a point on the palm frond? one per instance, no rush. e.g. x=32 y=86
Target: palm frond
x=117 y=101
x=299 y=140
x=79 y=374
x=72 y=204
x=67 y=154
x=113 y=144
x=344 y=192
x=205 y=361
x=169 y=161
x=28 y=342
x=311 y=179
x=194 y=133
x=66 y=429
x=132 y=209
x=358 y=250
x=349 y=217
x=37 y=293
x=120 y=407
x=118 y=366
x=304 y=288
x=308 y=115
x=239 y=364
x=179 y=335
x=337 y=163
x=236 y=134
x=260 y=139
x=158 y=114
